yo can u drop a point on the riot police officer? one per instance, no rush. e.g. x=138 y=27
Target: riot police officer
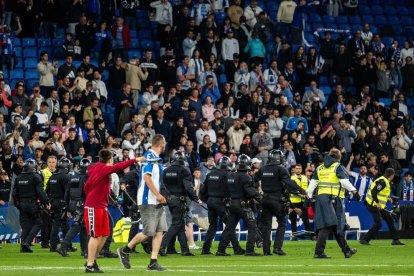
x=75 y=199
x=242 y=193
x=56 y=190
x=216 y=193
x=275 y=183
x=28 y=193
x=178 y=182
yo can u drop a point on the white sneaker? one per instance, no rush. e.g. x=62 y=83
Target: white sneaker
x=194 y=246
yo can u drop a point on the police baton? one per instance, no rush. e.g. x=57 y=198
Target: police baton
x=117 y=206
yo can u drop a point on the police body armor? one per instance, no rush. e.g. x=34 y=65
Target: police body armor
x=26 y=191
x=56 y=186
x=76 y=198
x=270 y=184
x=329 y=182
x=235 y=189
x=382 y=195
x=302 y=181
x=173 y=180
x=217 y=184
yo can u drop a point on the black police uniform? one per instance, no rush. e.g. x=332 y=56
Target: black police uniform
x=56 y=190
x=275 y=181
x=242 y=191
x=131 y=180
x=75 y=199
x=216 y=191
x=179 y=183
x=28 y=188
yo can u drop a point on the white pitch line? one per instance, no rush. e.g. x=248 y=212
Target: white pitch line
x=14 y=268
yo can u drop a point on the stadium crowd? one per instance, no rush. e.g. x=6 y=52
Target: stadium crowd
x=245 y=83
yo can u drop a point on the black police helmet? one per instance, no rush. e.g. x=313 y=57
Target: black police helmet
x=243 y=163
x=225 y=164
x=64 y=164
x=29 y=166
x=277 y=157
x=84 y=164
x=178 y=158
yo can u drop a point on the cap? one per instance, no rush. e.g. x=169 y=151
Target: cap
x=297 y=94
x=256 y=160
x=19 y=83
x=99 y=121
x=230 y=30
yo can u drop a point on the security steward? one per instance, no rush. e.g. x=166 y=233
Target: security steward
x=332 y=181
x=75 y=199
x=297 y=206
x=242 y=193
x=376 y=201
x=276 y=184
x=56 y=189
x=29 y=196
x=178 y=182
x=215 y=192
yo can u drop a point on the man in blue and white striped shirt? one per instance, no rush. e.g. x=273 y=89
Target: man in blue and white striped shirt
x=150 y=203
x=362 y=180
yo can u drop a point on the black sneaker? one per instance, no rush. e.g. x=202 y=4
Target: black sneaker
x=222 y=254
x=162 y=252
x=187 y=254
x=45 y=246
x=279 y=252
x=267 y=254
x=259 y=244
x=321 y=256
x=147 y=248
x=62 y=252
x=25 y=248
x=123 y=258
x=109 y=254
x=93 y=269
x=240 y=252
x=155 y=267
x=350 y=252
x=252 y=254
x=53 y=249
x=72 y=249
x=364 y=242
x=171 y=252
x=397 y=242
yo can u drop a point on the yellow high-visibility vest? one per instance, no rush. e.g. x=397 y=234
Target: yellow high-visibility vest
x=303 y=183
x=46 y=173
x=382 y=195
x=329 y=182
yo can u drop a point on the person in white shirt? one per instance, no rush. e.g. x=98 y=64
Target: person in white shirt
x=189 y=43
x=126 y=144
x=229 y=47
x=47 y=71
x=407 y=51
x=99 y=87
x=251 y=13
x=200 y=11
x=366 y=35
x=149 y=96
x=185 y=74
x=163 y=14
x=205 y=130
x=361 y=180
x=270 y=76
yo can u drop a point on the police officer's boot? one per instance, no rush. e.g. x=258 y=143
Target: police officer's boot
x=280 y=236
x=25 y=248
x=348 y=252
x=162 y=252
x=62 y=251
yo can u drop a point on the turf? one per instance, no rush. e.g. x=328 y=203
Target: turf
x=378 y=259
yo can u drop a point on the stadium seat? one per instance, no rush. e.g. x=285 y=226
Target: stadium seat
x=133 y=34
x=402 y=11
x=341 y=19
x=30 y=63
x=409 y=30
x=410 y=102
x=377 y=10
x=374 y=2
x=144 y=34
x=367 y=19
x=327 y=90
x=373 y=29
x=17 y=42
x=364 y=10
x=323 y=80
x=355 y=20
x=60 y=33
x=406 y=20
x=310 y=38
x=31 y=74
x=18 y=51
x=356 y=28
x=76 y=63
x=345 y=27
x=390 y=10
x=30 y=53
x=142 y=14
x=380 y=20
x=387 y=41
x=331 y=26
x=147 y=44
x=46 y=49
x=393 y=20
x=29 y=42
x=44 y=42
x=59 y=53
x=272 y=6
x=385 y=101
x=16 y=74
x=219 y=17
x=57 y=42
x=30 y=83
x=315 y=18
x=134 y=53
x=143 y=24
x=328 y=19
x=223 y=78
x=19 y=64
x=134 y=43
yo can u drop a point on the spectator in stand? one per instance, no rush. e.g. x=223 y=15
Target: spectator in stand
x=234 y=12
x=229 y=47
x=236 y=133
x=122 y=39
x=8 y=51
x=406 y=51
x=405 y=189
x=400 y=147
x=262 y=137
x=67 y=70
x=314 y=95
x=92 y=112
x=84 y=31
x=134 y=76
x=162 y=126
x=341 y=66
x=163 y=14
x=129 y=13
x=47 y=71
x=407 y=71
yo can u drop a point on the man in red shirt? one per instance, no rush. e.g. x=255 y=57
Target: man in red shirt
x=97 y=189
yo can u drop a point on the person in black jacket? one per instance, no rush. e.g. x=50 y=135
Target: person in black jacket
x=56 y=189
x=178 y=182
x=28 y=189
x=242 y=193
x=216 y=194
x=275 y=182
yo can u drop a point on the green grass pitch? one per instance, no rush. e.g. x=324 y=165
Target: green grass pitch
x=378 y=259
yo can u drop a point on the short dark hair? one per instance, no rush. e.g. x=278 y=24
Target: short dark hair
x=389 y=172
x=105 y=155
